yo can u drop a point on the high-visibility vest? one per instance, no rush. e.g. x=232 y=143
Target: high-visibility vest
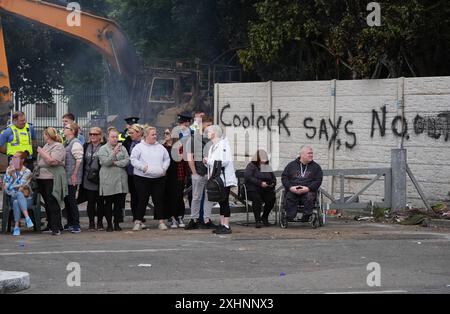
x=21 y=141
x=123 y=136
x=62 y=137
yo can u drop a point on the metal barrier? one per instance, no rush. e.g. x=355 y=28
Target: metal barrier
x=350 y=202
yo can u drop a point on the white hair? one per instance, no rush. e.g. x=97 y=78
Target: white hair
x=216 y=129
x=305 y=148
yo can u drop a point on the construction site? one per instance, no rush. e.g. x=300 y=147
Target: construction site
x=357 y=136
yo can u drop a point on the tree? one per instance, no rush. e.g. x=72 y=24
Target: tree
x=34 y=60
x=42 y=60
x=331 y=39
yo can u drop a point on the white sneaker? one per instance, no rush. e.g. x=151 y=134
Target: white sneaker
x=162 y=226
x=174 y=225
x=137 y=226
x=181 y=223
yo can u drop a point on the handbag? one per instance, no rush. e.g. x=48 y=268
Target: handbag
x=93 y=175
x=215 y=187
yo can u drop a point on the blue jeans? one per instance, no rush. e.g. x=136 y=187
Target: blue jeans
x=20 y=203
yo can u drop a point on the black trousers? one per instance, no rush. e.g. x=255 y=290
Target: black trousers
x=123 y=199
x=52 y=208
x=116 y=201
x=134 y=197
x=225 y=205
x=174 y=198
x=266 y=197
x=147 y=187
x=95 y=206
x=292 y=202
x=73 y=215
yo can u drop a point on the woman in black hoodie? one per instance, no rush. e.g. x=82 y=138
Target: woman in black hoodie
x=260 y=182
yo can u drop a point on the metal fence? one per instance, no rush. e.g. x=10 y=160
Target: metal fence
x=90 y=107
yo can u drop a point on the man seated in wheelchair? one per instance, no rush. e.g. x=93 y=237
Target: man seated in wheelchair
x=16 y=184
x=302 y=179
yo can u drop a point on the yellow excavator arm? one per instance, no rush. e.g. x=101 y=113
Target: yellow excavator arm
x=5 y=89
x=101 y=33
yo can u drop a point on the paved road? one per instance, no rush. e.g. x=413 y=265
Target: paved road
x=270 y=260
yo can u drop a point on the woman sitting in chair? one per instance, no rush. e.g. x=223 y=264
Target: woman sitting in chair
x=16 y=185
x=260 y=182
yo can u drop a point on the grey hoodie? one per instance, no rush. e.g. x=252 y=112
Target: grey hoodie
x=155 y=156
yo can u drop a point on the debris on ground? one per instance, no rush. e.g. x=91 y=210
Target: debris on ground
x=415 y=219
x=367 y=218
x=440 y=208
x=145 y=265
x=381 y=213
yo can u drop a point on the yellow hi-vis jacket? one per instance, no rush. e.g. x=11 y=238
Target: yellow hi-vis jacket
x=21 y=140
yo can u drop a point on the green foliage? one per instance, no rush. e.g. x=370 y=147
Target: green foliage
x=379 y=213
x=274 y=40
x=41 y=60
x=331 y=39
x=34 y=60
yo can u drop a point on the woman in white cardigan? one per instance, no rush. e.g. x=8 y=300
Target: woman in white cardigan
x=220 y=150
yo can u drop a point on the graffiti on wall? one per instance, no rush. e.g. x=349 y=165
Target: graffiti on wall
x=330 y=131
x=259 y=122
x=434 y=126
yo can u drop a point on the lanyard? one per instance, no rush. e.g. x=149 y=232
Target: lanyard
x=302 y=173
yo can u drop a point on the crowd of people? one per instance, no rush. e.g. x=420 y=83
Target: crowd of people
x=103 y=169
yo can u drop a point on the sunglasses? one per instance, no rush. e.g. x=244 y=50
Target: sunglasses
x=94 y=134
x=167 y=133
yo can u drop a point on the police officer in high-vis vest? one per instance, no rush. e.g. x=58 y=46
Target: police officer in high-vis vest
x=123 y=137
x=20 y=136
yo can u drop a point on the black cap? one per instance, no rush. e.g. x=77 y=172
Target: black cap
x=184 y=117
x=132 y=120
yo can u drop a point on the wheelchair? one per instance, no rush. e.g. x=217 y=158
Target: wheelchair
x=317 y=219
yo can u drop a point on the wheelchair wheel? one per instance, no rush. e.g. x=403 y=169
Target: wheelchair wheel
x=283 y=219
x=315 y=223
x=321 y=219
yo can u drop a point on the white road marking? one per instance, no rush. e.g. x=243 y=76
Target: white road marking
x=91 y=252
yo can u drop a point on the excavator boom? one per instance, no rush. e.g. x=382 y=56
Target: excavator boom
x=5 y=89
x=101 y=33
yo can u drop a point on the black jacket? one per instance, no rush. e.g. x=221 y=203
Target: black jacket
x=292 y=175
x=254 y=177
